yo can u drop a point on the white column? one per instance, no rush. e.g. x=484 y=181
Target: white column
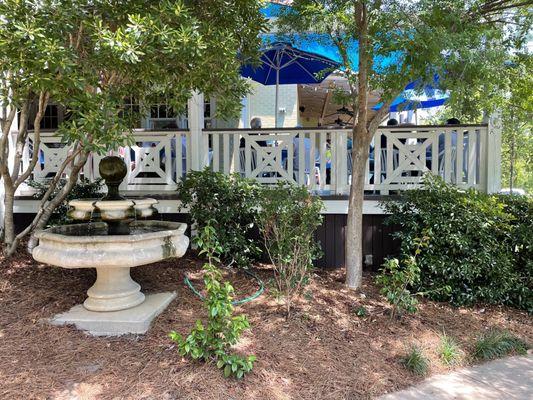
x=198 y=154
x=494 y=153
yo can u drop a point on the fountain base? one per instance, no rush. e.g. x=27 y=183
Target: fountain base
x=134 y=320
x=114 y=290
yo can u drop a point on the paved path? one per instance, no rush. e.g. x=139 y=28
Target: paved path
x=508 y=378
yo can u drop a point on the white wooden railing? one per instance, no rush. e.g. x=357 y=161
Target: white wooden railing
x=399 y=156
x=156 y=160
x=317 y=158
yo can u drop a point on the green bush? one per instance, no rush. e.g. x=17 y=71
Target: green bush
x=395 y=282
x=521 y=208
x=477 y=250
x=495 y=344
x=212 y=342
x=84 y=189
x=229 y=202
x=288 y=218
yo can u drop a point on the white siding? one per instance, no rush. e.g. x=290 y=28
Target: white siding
x=261 y=103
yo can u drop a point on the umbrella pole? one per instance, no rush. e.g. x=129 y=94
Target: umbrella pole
x=276 y=110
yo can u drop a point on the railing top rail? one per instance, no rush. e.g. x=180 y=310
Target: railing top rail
x=321 y=128
x=276 y=130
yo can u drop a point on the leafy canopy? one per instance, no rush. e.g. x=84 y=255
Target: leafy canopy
x=90 y=55
x=463 y=43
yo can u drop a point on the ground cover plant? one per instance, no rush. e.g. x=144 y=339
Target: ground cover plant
x=415 y=361
x=229 y=204
x=497 y=343
x=222 y=330
x=478 y=247
x=449 y=351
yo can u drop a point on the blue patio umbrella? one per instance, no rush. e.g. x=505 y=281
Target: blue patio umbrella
x=281 y=63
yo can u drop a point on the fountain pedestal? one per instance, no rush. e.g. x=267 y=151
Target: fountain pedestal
x=113 y=290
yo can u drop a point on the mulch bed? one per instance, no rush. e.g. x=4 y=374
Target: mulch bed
x=325 y=351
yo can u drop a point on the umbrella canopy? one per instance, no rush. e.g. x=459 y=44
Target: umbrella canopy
x=282 y=63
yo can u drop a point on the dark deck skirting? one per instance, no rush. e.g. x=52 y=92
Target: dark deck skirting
x=377 y=239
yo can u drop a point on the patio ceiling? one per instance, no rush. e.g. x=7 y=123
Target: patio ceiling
x=319 y=102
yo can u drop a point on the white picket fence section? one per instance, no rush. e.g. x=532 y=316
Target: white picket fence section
x=320 y=159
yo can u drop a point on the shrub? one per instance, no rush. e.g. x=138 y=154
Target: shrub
x=396 y=281
x=449 y=351
x=212 y=342
x=84 y=189
x=521 y=209
x=229 y=203
x=495 y=344
x=415 y=361
x=470 y=255
x=288 y=218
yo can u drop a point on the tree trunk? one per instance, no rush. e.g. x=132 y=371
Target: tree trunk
x=47 y=206
x=46 y=210
x=9 y=223
x=354 y=226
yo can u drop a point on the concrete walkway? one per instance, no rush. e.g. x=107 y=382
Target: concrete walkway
x=508 y=378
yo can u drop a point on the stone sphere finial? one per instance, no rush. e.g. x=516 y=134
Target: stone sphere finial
x=113 y=170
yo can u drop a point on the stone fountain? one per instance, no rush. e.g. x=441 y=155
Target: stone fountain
x=112 y=239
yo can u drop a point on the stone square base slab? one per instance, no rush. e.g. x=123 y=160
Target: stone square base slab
x=134 y=320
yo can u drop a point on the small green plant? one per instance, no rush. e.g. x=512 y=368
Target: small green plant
x=361 y=312
x=495 y=344
x=449 y=351
x=229 y=204
x=288 y=218
x=395 y=282
x=223 y=329
x=415 y=361
x=84 y=189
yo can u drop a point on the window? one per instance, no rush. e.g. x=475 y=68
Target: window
x=163 y=116
x=209 y=113
x=50 y=118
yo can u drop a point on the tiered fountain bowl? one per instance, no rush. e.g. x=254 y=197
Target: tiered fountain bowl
x=113 y=239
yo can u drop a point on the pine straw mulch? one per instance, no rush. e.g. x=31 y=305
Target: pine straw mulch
x=325 y=351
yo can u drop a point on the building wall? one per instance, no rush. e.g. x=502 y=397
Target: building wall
x=261 y=103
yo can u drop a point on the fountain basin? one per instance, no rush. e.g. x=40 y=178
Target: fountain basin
x=89 y=246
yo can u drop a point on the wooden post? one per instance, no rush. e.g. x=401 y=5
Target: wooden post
x=494 y=153
x=198 y=153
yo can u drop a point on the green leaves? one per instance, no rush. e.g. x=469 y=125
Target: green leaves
x=89 y=56
x=212 y=342
x=478 y=248
x=395 y=282
x=288 y=218
x=228 y=204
